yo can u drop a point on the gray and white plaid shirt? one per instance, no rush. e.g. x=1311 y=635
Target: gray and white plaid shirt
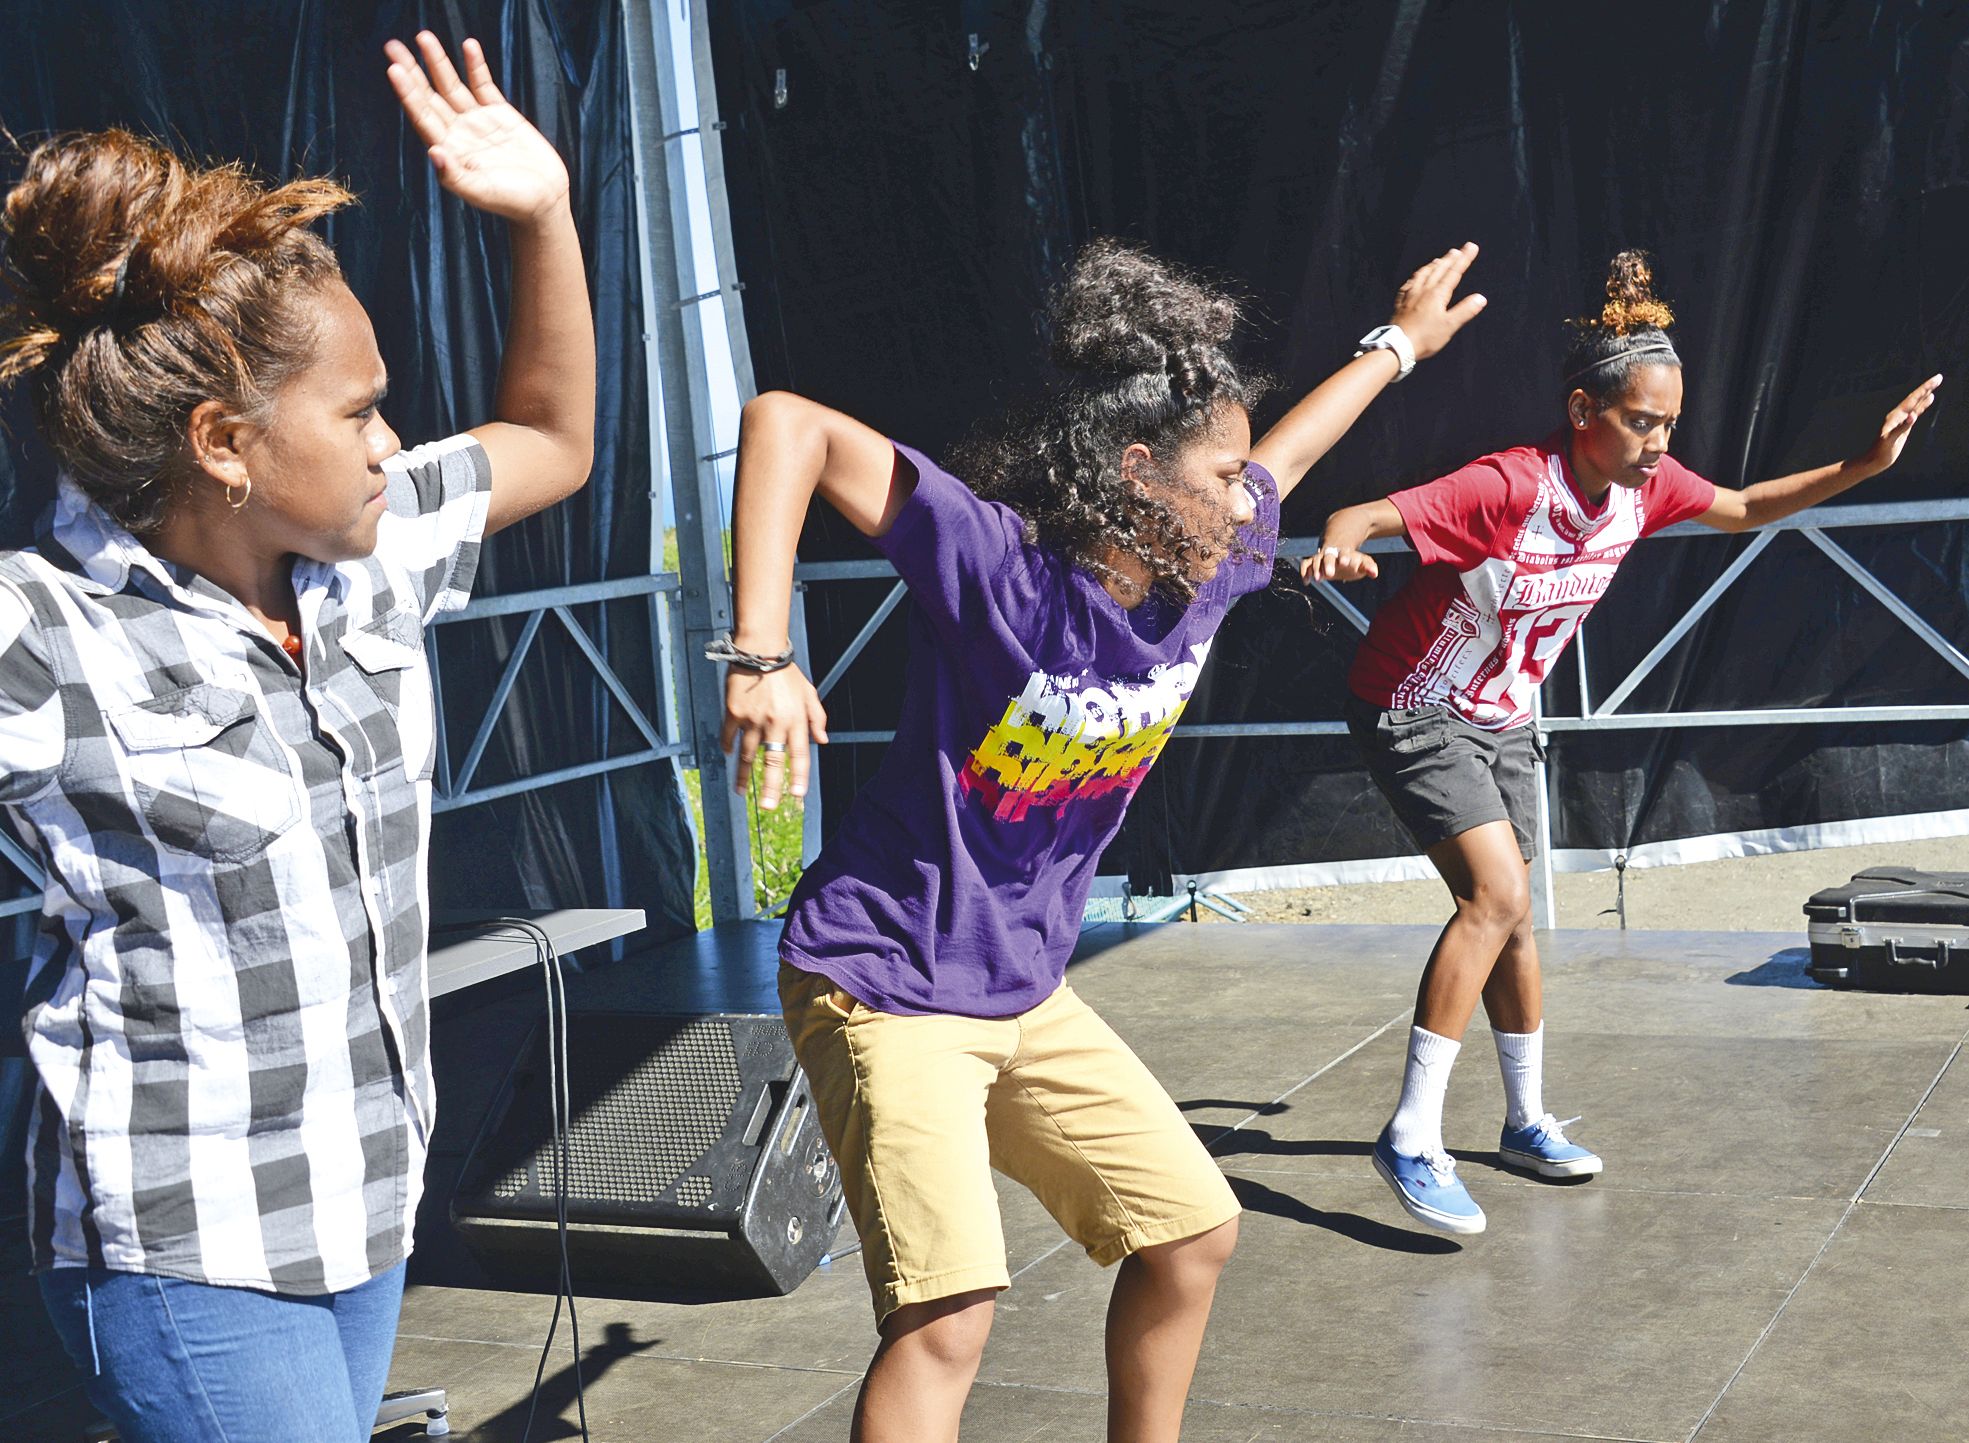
x=228 y=1003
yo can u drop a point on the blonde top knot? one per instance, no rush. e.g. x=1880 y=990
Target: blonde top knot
x=1630 y=332
x=1632 y=304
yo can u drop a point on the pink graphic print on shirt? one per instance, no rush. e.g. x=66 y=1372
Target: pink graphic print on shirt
x=1066 y=739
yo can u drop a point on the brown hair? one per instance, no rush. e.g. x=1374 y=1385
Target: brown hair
x=1630 y=332
x=140 y=287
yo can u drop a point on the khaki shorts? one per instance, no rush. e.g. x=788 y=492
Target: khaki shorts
x=919 y=1110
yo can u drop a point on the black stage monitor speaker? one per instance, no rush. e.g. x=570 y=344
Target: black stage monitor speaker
x=696 y=1165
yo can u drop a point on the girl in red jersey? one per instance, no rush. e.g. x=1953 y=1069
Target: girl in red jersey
x=1516 y=547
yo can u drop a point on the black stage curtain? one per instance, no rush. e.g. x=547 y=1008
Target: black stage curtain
x=297 y=86
x=1800 y=171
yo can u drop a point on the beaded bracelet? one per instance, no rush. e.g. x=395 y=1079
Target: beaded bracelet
x=721 y=649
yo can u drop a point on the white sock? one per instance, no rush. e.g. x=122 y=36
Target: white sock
x=1418 y=1124
x=1521 y=1058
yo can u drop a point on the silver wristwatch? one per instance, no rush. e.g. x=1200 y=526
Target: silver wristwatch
x=1390 y=338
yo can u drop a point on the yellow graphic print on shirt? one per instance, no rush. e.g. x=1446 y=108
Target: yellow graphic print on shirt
x=1066 y=739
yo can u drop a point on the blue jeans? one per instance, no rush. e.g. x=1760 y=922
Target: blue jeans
x=178 y=1362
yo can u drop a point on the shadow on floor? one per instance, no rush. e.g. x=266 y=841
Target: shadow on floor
x=557 y=1415
x=1099 y=937
x=1249 y=1140
x=1257 y=1198
x=1221 y=1104
x=1784 y=969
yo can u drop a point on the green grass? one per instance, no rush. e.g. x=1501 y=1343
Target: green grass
x=776 y=835
x=776 y=839
x=670 y=561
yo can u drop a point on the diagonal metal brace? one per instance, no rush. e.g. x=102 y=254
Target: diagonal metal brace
x=493 y=707
x=1340 y=604
x=1877 y=589
x=1683 y=627
x=608 y=676
x=15 y=853
x=863 y=637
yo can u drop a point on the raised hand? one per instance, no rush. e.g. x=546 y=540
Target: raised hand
x=1899 y=424
x=1423 y=306
x=485 y=152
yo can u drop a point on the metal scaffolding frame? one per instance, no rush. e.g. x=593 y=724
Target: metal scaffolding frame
x=1606 y=715
x=680 y=383
x=452 y=783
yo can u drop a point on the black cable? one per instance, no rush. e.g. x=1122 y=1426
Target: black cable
x=560 y=1193
x=560 y=1111
x=560 y=1114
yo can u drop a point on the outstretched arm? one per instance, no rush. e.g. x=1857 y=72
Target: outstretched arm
x=1769 y=501
x=542 y=441
x=1424 y=311
x=1340 y=557
x=789 y=449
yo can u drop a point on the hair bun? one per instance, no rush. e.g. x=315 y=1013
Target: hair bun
x=109 y=224
x=1123 y=310
x=140 y=287
x=1631 y=301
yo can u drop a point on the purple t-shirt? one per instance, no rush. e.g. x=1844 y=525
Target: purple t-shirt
x=1034 y=707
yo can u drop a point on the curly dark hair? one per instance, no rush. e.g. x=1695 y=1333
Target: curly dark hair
x=1630 y=332
x=1141 y=345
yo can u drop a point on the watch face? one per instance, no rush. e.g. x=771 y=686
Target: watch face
x=1392 y=340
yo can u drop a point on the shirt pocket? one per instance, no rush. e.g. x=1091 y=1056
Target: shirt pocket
x=210 y=775
x=387 y=693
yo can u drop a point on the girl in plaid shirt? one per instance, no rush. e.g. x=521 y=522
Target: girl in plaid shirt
x=216 y=736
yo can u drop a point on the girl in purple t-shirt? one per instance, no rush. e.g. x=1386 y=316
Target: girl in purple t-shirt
x=1064 y=608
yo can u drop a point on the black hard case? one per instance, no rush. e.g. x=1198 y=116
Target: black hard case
x=1892 y=929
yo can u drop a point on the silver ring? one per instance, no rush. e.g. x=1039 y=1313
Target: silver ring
x=772 y=746
x=1331 y=550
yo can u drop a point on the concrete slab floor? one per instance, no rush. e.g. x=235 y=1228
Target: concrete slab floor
x=1776 y=1251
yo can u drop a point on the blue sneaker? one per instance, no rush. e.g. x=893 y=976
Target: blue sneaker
x=1543 y=1147
x=1428 y=1188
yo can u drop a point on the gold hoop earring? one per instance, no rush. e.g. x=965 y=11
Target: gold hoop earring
x=245 y=494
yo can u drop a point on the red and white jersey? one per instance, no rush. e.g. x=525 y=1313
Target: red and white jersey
x=1513 y=558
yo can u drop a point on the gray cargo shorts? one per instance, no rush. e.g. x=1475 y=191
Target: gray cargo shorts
x=1444 y=776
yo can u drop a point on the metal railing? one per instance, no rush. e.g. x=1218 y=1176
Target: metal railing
x=1603 y=716
x=664 y=735
x=667 y=734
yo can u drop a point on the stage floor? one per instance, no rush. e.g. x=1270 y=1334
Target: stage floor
x=1778 y=1250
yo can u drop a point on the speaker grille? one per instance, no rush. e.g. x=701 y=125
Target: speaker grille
x=697 y=1162
x=641 y=1118
x=694 y=1192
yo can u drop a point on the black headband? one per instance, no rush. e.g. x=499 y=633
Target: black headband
x=1640 y=348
